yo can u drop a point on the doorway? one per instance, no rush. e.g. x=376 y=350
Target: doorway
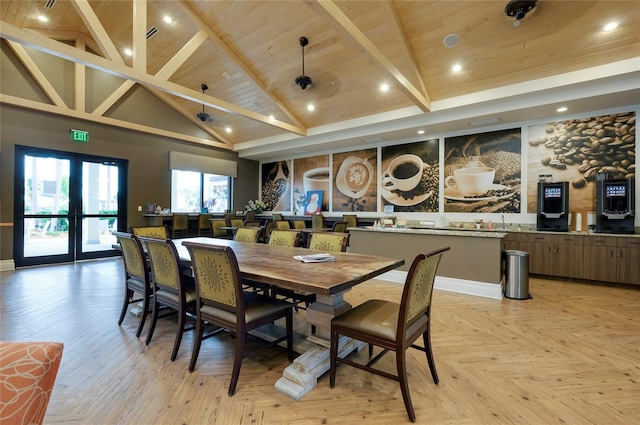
x=67 y=206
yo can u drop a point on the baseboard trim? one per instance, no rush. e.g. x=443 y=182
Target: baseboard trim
x=6 y=265
x=450 y=284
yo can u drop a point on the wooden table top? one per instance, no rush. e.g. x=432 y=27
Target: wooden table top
x=275 y=265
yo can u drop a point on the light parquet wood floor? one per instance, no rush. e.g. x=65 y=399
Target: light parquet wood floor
x=571 y=355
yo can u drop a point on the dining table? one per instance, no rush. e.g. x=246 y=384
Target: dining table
x=276 y=265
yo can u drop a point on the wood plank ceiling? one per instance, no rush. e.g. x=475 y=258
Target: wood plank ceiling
x=248 y=53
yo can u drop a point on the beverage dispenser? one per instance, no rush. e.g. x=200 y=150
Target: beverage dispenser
x=615 y=206
x=553 y=206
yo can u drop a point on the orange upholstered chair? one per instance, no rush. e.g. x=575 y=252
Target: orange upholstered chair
x=27 y=374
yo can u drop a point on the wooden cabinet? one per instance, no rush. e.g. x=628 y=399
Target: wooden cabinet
x=600 y=258
x=628 y=260
x=556 y=255
x=516 y=241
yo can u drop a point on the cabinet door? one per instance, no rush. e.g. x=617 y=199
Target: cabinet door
x=600 y=259
x=515 y=241
x=541 y=257
x=569 y=258
x=628 y=251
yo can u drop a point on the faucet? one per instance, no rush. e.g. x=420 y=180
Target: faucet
x=503 y=225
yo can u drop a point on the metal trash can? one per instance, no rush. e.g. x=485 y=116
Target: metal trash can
x=516 y=282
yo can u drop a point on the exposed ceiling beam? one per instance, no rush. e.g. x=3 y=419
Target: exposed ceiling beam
x=140 y=35
x=79 y=80
x=183 y=54
x=336 y=19
x=98 y=32
x=113 y=98
x=11 y=32
x=37 y=74
x=239 y=63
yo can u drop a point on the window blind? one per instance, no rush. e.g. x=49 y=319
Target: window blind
x=189 y=162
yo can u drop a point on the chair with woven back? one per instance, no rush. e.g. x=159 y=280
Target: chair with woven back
x=392 y=326
x=136 y=277
x=281 y=237
x=172 y=288
x=317 y=221
x=204 y=225
x=222 y=302
x=216 y=231
x=283 y=224
x=339 y=227
x=180 y=225
x=247 y=234
x=157 y=232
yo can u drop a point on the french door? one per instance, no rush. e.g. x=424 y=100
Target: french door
x=67 y=206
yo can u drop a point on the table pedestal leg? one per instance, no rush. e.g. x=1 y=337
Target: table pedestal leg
x=302 y=375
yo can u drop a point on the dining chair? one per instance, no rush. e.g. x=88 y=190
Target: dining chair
x=136 y=276
x=299 y=224
x=317 y=221
x=268 y=228
x=276 y=217
x=216 y=224
x=228 y=217
x=158 y=232
x=329 y=241
x=222 y=302
x=281 y=237
x=236 y=222
x=204 y=225
x=283 y=224
x=172 y=288
x=339 y=227
x=252 y=223
x=249 y=216
x=392 y=326
x=351 y=219
x=179 y=225
x=247 y=234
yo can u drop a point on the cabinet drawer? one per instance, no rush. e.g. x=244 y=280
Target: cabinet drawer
x=568 y=239
x=628 y=243
x=601 y=241
x=540 y=238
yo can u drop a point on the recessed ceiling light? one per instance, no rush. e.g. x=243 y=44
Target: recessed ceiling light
x=272 y=118
x=420 y=131
x=311 y=107
x=456 y=68
x=228 y=129
x=610 y=26
x=168 y=19
x=562 y=109
x=42 y=18
x=384 y=87
x=128 y=52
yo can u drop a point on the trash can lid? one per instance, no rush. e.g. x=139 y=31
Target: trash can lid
x=515 y=253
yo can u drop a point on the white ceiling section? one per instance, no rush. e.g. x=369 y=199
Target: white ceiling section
x=248 y=53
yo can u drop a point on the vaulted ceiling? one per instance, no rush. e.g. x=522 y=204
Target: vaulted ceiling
x=248 y=54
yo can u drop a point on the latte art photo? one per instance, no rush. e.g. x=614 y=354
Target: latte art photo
x=357 y=176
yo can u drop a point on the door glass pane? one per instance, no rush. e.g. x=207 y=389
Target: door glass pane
x=97 y=233
x=216 y=192
x=46 y=236
x=46 y=186
x=99 y=197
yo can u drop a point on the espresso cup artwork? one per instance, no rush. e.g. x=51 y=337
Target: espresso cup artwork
x=316 y=179
x=471 y=181
x=404 y=173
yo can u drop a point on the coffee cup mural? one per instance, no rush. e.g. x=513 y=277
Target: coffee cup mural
x=404 y=173
x=471 y=181
x=317 y=179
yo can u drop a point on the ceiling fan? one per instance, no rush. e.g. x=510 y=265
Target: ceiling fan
x=518 y=9
x=204 y=117
x=303 y=81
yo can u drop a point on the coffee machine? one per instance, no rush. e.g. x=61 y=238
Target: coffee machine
x=615 y=204
x=553 y=206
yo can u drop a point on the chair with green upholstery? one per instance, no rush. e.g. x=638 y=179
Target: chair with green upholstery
x=276 y=217
x=317 y=221
x=351 y=219
x=283 y=224
x=236 y=222
x=339 y=227
x=222 y=302
x=136 y=277
x=392 y=326
x=282 y=237
x=172 y=288
x=157 y=232
x=252 y=223
x=179 y=226
x=204 y=225
x=329 y=241
x=247 y=234
x=216 y=224
x=299 y=224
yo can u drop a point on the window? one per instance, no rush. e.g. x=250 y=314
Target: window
x=192 y=191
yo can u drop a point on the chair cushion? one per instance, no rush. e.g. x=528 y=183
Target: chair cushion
x=167 y=296
x=256 y=306
x=27 y=375
x=375 y=317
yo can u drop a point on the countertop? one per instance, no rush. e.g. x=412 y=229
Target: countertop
x=482 y=233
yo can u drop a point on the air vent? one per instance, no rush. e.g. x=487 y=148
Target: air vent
x=152 y=31
x=49 y=4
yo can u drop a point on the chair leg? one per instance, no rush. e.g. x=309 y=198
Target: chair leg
x=154 y=319
x=426 y=337
x=404 y=385
x=333 y=356
x=196 y=344
x=182 y=316
x=128 y=294
x=237 y=363
x=145 y=308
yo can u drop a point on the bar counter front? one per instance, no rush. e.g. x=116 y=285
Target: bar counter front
x=473 y=266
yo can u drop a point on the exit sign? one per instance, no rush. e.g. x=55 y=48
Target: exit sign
x=79 y=135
